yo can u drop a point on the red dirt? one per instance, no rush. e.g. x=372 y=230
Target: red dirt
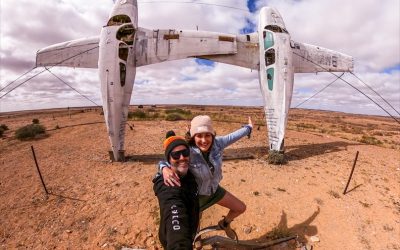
x=102 y=205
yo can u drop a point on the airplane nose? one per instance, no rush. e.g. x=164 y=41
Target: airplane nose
x=133 y=2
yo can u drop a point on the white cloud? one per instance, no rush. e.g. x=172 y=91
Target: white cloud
x=366 y=29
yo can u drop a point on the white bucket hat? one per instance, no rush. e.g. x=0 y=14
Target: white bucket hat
x=201 y=124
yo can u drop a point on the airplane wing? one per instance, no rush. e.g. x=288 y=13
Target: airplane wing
x=311 y=59
x=81 y=53
x=154 y=46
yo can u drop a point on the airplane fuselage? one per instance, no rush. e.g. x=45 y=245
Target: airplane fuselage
x=117 y=70
x=275 y=73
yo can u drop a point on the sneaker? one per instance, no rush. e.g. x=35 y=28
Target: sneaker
x=227 y=228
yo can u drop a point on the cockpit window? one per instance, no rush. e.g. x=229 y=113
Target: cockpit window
x=275 y=28
x=268 y=39
x=126 y=34
x=270 y=78
x=269 y=57
x=123 y=51
x=122 y=73
x=118 y=20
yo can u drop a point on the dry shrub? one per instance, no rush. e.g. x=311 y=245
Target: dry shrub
x=178 y=114
x=370 y=140
x=137 y=114
x=352 y=129
x=149 y=114
x=323 y=130
x=30 y=131
x=178 y=111
x=371 y=126
x=276 y=158
x=151 y=110
x=378 y=133
x=4 y=127
x=334 y=194
x=364 y=204
x=305 y=126
x=174 y=117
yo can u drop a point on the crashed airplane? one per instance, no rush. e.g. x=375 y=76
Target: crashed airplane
x=123 y=46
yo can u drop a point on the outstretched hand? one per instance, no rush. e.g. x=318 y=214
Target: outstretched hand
x=188 y=127
x=251 y=125
x=171 y=179
x=250 y=122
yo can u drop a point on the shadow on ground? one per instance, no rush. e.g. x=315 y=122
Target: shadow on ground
x=281 y=231
x=229 y=154
x=302 y=229
x=300 y=152
x=293 y=153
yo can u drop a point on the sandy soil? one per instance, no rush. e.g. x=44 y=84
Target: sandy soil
x=96 y=204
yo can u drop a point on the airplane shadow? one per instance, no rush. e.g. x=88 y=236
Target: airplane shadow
x=302 y=230
x=300 y=152
x=146 y=158
x=293 y=152
x=245 y=153
x=229 y=154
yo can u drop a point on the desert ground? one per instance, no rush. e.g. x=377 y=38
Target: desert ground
x=98 y=204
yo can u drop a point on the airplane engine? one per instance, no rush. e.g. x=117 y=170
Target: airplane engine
x=117 y=77
x=275 y=74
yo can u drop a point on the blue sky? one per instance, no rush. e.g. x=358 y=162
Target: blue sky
x=376 y=54
x=251 y=5
x=390 y=70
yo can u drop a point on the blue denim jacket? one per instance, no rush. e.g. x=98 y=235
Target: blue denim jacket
x=206 y=181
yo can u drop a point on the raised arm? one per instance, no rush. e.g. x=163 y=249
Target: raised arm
x=226 y=140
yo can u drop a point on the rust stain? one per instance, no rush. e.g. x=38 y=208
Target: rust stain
x=226 y=39
x=171 y=36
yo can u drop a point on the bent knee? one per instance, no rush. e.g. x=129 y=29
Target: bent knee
x=241 y=208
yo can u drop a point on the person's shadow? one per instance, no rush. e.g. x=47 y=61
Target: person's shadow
x=282 y=230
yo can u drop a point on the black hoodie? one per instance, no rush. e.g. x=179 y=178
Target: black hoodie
x=179 y=212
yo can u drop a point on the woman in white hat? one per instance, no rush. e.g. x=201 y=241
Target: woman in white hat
x=206 y=165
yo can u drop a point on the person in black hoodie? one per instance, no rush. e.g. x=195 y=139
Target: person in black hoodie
x=179 y=205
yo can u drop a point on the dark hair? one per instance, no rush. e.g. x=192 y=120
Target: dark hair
x=191 y=141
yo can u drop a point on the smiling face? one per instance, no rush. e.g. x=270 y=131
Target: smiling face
x=180 y=165
x=203 y=141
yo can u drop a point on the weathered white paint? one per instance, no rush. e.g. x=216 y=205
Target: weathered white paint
x=312 y=59
x=116 y=92
x=80 y=53
x=277 y=93
x=110 y=51
x=155 y=46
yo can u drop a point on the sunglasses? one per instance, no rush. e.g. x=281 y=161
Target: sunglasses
x=176 y=155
